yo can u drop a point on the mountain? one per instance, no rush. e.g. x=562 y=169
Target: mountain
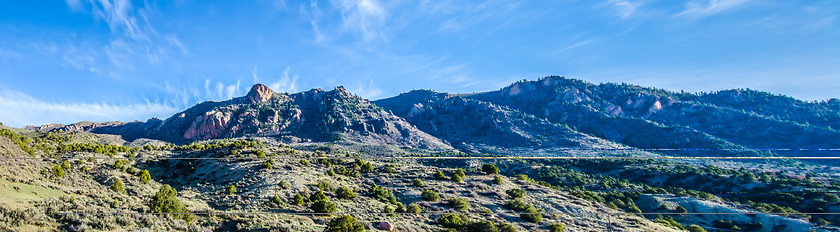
x=314 y=115
x=636 y=116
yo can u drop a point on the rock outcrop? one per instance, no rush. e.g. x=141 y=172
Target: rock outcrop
x=259 y=93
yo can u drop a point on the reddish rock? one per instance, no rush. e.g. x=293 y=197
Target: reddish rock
x=259 y=93
x=386 y=226
x=208 y=126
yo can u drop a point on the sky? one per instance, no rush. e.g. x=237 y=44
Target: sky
x=108 y=60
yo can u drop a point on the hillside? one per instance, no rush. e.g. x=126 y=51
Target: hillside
x=268 y=161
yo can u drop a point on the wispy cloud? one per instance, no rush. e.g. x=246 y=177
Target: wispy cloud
x=18 y=109
x=366 y=17
x=286 y=83
x=704 y=8
x=625 y=8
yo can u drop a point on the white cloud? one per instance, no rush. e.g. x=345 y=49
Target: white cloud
x=286 y=83
x=625 y=8
x=18 y=109
x=704 y=8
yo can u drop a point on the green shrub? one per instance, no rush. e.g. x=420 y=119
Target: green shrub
x=276 y=200
x=318 y=196
x=482 y=226
x=267 y=164
x=131 y=170
x=413 y=208
x=459 y=204
x=345 y=223
x=680 y=209
x=323 y=206
x=120 y=165
x=230 y=190
x=65 y=165
x=439 y=175
x=145 y=177
x=456 y=177
x=490 y=169
x=165 y=201
x=531 y=214
x=515 y=193
x=325 y=186
x=345 y=193
x=383 y=194
x=304 y=162
x=118 y=186
x=298 y=200
x=454 y=221
x=460 y=172
x=429 y=195
x=695 y=228
x=390 y=169
x=497 y=180
x=556 y=227
x=418 y=182
x=517 y=205
x=504 y=227
x=367 y=167
x=58 y=171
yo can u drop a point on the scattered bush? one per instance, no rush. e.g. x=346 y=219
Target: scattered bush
x=165 y=201
x=383 y=194
x=304 y=162
x=345 y=193
x=429 y=195
x=680 y=209
x=367 y=167
x=517 y=205
x=318 y=196
x=497 y=180
x=325 y=186
x=323 y=206
x=490 y=169
x=230 y=190
x=556 y=227
x=145 y=177
x=58 y=171
x=65 y=165
x=515 y=193
x=267 y=164
x=345 y=223
x=120 y=165
x=460 y=172
x=456 y=177
x=504 y=227
x=439 y=175
x=413 y=208
x=459 y=204
x=695 y=228
x=118 y=186
x=454 y=221
x=531 y=214
x=418 y=182
x=276 y=200
x=298 y=200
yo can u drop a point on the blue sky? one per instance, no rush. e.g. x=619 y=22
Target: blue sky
x=105 y=60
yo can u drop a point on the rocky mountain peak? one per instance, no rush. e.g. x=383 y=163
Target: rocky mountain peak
x=259 y=93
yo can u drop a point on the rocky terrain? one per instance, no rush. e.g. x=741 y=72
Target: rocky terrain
x=272 y=161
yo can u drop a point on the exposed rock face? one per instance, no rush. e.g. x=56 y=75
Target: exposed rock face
x=210 y=125
x=259 y=93
x=386 y=226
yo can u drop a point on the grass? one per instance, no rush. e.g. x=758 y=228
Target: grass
x=11 y=196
